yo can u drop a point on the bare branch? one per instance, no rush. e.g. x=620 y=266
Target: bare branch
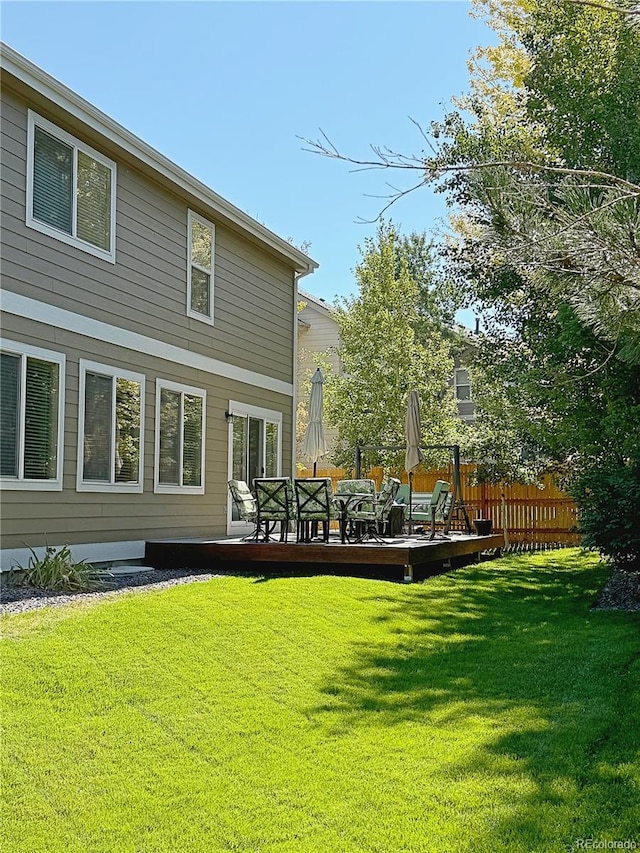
x=397 y=195
x=388 y=159
x=607 y=7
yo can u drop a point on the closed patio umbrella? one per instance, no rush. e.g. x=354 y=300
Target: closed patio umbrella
x=413 y=435
x=314 y=444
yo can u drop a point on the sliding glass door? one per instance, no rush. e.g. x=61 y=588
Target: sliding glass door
x=255 y=448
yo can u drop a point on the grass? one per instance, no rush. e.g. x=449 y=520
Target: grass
x=486 y=710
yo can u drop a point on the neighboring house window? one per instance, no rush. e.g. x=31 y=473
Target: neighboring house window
x=200 y=268
x=462 y=384
x=110 y=428
x=71 y=189
x=180 y=424
x=31 y=412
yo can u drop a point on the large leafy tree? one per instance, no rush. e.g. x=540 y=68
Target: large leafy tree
x=383 y=356
x=549 y=243
x=563 y=209
x=541 y=164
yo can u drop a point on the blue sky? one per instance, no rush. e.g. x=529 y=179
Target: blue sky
x=225 y=89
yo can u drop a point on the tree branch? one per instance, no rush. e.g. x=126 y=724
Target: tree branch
x=606 y=7
x=388 y=159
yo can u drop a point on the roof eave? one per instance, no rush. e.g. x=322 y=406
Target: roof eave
x=48 y=87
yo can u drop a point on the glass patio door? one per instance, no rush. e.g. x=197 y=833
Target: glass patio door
x=255 y=447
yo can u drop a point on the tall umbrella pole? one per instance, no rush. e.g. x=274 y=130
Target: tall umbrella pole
x=413 y=454
x=314 y=444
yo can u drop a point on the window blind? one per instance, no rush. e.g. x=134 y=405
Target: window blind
x=97 y=427
x=192 y=441
x=9 y=408
x=41 y=420
x=52 y=181
x=168 y=473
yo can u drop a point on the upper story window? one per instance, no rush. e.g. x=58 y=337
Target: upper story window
x=110 y=429
x=201 y=240
x=462 y=384
x=180 y=424
x=71 y=189
x=31 y=413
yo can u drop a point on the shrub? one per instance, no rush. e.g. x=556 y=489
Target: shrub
x=609 y=511
x=56 y=569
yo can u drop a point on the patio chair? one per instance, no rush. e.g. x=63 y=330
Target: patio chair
x=274 y=503
x=245 y=503
x=437 y=509
x=372 y=517
x=314 y=503
x=354 y=487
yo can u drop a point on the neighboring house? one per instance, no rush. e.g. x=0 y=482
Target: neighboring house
x=461 y=382
x=462 y=391
x=317 y=334
x=139 y=311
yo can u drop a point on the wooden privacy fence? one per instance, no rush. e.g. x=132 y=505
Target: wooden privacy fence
x=529 y=515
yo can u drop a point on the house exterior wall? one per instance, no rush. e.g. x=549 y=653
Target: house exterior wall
x=131 y=315
x=145 y=290
x=317 y=333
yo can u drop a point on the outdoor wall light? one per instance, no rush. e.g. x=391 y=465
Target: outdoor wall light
x=229 y=416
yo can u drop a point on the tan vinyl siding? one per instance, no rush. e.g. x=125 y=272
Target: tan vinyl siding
x=320 y=334
x=145 y=290
x=71 y=517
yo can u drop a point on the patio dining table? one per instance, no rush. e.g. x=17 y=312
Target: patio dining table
x=346 y=501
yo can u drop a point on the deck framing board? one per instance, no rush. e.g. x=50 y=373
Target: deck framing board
x=403 y=552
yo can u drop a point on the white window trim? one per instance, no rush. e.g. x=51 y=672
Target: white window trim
x=93 y=486
x=24 y=350
x=246 y=410
x=204 y=318
x=164 y=488
x=35 y=120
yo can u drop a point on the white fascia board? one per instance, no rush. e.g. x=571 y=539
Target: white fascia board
x=92 y=552
x=60 y=318
x=31 y=75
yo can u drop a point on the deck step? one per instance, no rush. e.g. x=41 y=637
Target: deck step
x=122 y=571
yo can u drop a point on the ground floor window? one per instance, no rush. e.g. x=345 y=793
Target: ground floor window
x=110 y=427
x=180 y=421
x=31 y=413
x=256 y=442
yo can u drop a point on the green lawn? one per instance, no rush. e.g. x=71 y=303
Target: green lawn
x=485 y=710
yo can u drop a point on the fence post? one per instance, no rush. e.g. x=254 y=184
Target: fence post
x=484 y=506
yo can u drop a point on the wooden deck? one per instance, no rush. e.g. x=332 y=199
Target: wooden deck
x=401 y=557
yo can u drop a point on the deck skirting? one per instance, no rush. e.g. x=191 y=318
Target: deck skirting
x=404 y=553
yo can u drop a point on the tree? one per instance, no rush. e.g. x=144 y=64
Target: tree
x=541 y=163
x=383 y=357
x=550 y=244
x=543 y=156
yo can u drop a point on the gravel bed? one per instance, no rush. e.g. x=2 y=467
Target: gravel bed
x=18 y=599
x=620 y=592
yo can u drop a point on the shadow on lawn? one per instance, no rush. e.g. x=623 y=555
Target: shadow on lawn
x=514 y=646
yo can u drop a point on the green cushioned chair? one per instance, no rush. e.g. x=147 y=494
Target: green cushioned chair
x=274 y=503
x=245 y=504
x=314 y=503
